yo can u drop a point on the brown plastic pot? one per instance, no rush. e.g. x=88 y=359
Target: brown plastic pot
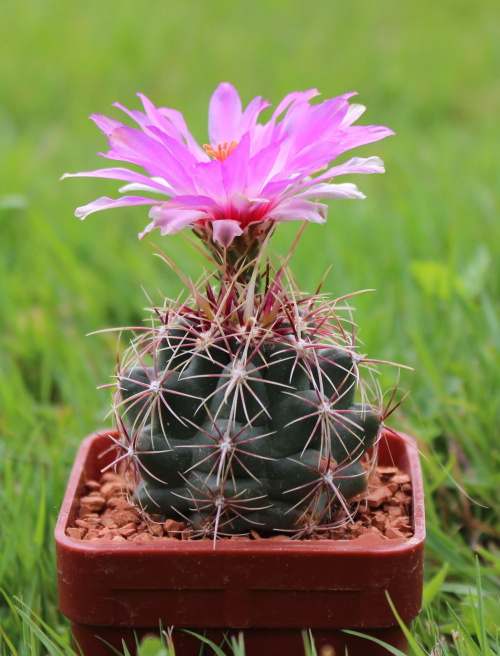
x=270 y=590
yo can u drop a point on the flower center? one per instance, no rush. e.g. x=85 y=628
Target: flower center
x=222 y=151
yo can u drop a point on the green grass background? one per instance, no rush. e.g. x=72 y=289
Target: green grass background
x=427 y=238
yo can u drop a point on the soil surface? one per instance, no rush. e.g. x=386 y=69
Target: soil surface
x=105 y=514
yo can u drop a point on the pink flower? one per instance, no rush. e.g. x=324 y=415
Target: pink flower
x=251 y=174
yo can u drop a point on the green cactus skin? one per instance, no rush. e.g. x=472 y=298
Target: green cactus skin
x=239 y=408
x=234 y=429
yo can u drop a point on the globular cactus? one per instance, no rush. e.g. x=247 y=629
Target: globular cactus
x=238 y=409
x=243 y=407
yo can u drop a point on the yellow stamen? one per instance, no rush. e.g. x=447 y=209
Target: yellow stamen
x=222 y=151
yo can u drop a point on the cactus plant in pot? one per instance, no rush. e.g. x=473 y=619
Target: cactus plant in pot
x=244 y=409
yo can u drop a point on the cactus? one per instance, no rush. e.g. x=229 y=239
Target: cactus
x=243 y=406
x=237 y=408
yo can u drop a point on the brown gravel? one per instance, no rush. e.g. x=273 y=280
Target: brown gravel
x=105 y=514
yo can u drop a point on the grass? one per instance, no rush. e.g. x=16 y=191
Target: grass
x=427 y=238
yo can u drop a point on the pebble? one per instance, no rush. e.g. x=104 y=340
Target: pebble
x=107 y=533
x=394 y=533
x=110 y=490
x=108 y=521
x=127 y=530
x=156 y=529
x=173 y=528
x=118 y=503
x=76 y=533
x=377 y=497
x=402 y=498
x=143 y=537
x=123 y=517
x=93 y=501
x=81 y=523
x=401 y=523
x=394 y=511
x=379 y=520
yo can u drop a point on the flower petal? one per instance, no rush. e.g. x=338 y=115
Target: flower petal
x=132 y=145
x=178 y=120
x=224 y=114
x=225 y=230
x=106 y=124
x=193 y=201
x=324 y=190
x=261 y=168
x=296 y=209
x=139 y=117
x=235 y=168
x=137 y=186
x=296 y=97
x=358 y=135
x=317 y=124
x=266 y=134
x=126 y=175
x=171 y=221
x=353 y=113
x=105 y=203
x=249 y=117
x=181 y=153
x=354 y=165
x=207 y=177
x=159 y=121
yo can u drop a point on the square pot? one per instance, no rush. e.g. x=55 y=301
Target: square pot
x=270 y=590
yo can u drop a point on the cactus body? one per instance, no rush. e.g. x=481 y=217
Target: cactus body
x=241 y=422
